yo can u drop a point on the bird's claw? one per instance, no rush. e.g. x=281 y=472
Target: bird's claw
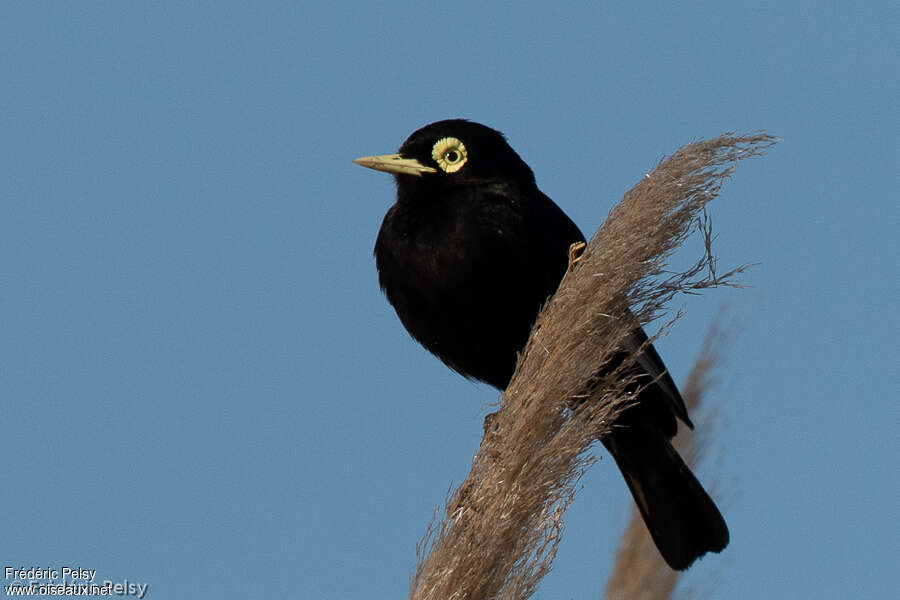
x=575 y=252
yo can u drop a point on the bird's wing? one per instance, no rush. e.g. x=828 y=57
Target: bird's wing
x=653 y=365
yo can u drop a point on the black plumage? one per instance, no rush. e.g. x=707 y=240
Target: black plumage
x=467 y=256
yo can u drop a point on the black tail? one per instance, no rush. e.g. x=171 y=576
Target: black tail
x=681 y=517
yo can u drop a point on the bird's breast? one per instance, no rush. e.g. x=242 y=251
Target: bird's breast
x=468 y=274
x=449 y=252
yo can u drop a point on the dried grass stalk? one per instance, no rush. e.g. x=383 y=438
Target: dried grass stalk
x=503 y=525
x=640 y=573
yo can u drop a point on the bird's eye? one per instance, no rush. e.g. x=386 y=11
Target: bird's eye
x=450 y=154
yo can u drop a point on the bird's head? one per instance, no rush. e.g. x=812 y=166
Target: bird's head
x=452 y=153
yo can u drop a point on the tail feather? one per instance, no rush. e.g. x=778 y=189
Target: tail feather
x=681 y=517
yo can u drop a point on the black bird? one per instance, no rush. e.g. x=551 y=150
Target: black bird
x=467 y=256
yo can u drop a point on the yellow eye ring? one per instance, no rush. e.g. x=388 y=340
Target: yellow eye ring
x=450 y=154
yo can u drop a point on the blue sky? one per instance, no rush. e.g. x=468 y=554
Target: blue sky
x=203 y=389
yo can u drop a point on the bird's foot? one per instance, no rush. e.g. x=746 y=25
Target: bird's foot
x=575 y=252
x=490 y=424
x=459 y=503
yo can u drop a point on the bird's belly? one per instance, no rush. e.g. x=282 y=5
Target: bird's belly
x=474 y=319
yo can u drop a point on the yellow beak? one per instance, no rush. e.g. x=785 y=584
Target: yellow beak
x=394 y=163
